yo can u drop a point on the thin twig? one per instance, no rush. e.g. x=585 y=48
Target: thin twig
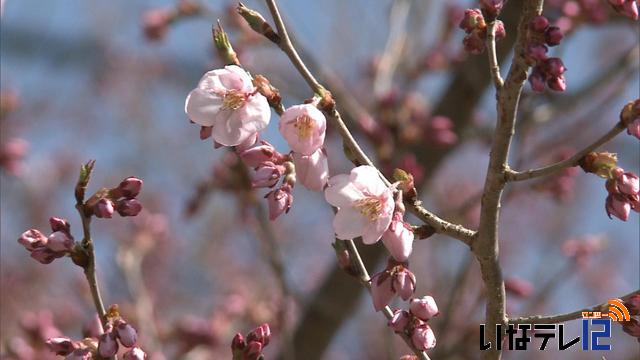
x=511 y=175
x=494 y=67
x=553 y=319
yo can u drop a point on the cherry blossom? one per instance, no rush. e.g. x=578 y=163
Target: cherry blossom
x=303 y=126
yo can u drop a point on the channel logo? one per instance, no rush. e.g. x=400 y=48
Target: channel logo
x=617 y=311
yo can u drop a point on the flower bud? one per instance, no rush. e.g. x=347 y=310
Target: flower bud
x=223 y=46
x=130 y=187
x=267 y=174
x=601 y=164
x=381 y=290
x=617 y=206
x=491 y=7
x=399 y=321
x=472 y=19
x=501 y=33
x=423 y=337
x=238 y=343
x=634 y=128
x=107 y=344
x=553 y=36
x=258 y=23
x=126 y=333
x=557 y=83
x=537 y=80
x=128 y=207
x=261 y=334
x=60 y=241
x=44 y=255
x=536 y=53
x=312 y=170
x=539 y=23
x=554 y=67
x=155 y=23
x=58 y=224
x=279 y=201
x=32 y=239
x=103 y=208
x=404 y=283
x=60 y=345
x=253 y=350
x=398 y=239
x=134 y=354
x=633 y=304
x=267 y=90
x=628 y=183
x=474 y=43
x=424 y=308
x=256 y=155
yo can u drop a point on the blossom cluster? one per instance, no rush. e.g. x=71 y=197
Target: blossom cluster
x=546 y=71
x=474 y=25
x=251 y=346
x=45 y=249
x=121 y=199
x=414 y=323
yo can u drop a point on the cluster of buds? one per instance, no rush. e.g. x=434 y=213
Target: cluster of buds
x=623 y=187
x=630 y=117
x=121 y=199
x=119 y=332
x=632 y=327
x=155 y=22
x=45 y=249
x=87 y=349
x=414 y=323
x=474 y=25
x=396 y=279
x=251 y=347
x=628 y=8
x=546 y=71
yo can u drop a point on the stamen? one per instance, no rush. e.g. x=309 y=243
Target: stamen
x=305 y=126
x=369 y=207
x=233 y=100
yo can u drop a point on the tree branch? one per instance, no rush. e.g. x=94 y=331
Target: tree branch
x=494 y=67
x=511 y=175
x=553 y=319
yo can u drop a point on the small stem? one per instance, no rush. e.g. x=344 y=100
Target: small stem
x=553 y=319
x=494 y=67
x=574 y=160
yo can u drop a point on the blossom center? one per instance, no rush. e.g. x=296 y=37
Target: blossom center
x=370 y=207
x=305 y=126
x=233 y=100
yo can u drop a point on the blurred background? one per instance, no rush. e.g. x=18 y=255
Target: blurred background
x=107 y=81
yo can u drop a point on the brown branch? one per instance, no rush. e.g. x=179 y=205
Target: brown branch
x=486 y=248
x=511 y=175
x=494 y=67
x=553 y=319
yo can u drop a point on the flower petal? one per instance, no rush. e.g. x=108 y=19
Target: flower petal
x=341 y=192
x=203 y=107
x=349 y=223
x=236 y=126
x=367 y=177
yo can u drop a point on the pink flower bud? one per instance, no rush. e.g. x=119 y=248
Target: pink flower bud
x=628 y=8
x=107 y=344
x=539 y=23
x=537 y=80
x=472 y=19
x=501 y=33
x=247 y=143
x=381 y=290
x=518 y=287
x=129 y=207
x=399 y=321
x=557 y=83
x=60 y=241
x=279 y=201
x=633 y=304
x=404 y=283
x=423 y=337
x=134 y=354
x=32 y=239
x=267 y=174
x=126 y=333
x=304 y=127
x=58 y=224
x=553 y=36
x=398 y=239
x=130 y=187
x=238 y=343
x=256 y=155
x=536 y=52
x=634 y=200
x=492 y=7
x=253 y=350
x=103 y=208
x=424 y=308
x=155 y=23
x=634 y=128
x=60 y=345
x=554 y=67
x=44 y=255
x=261 y=334
x=617 y=206
x=312 y=170
x=628 y=183
x=473 y=43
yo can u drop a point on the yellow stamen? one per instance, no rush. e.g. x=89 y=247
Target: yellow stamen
x=233 y=100
x=369 y=207
x=305 y=126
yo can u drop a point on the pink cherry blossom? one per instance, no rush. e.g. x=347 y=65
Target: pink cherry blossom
x=304 y=127
x=398 y=239
x=227 y=100
x=279 y=201
x=312 y=170
x=365 y=204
